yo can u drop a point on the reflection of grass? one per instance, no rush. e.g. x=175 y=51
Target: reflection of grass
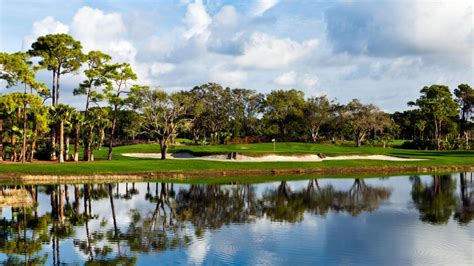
x=122 y=164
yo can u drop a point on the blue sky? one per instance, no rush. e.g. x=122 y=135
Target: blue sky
x=382 y=52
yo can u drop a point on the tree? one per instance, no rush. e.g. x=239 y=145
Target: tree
x=119 y=75
x=213 y=103
x=95 y=125
x=465 y=98
x=437 y=103
x=40 y=120
x=96 y=74
x=285 y=109
x=363 y=118
x=246 y=106
x=16 y=68
x=61 y=114
x=59 y=53
x=163 y=114
x=317 y=112
x=77 y=120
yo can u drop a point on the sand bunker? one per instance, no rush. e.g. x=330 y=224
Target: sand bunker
x=269 y=158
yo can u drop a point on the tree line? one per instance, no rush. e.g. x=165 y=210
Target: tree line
x=118 y=110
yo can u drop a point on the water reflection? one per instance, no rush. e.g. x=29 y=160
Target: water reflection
x=38 y=222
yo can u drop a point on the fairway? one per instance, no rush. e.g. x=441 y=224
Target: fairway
x=123 y=164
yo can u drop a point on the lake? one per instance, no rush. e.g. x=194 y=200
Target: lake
x=397 y=220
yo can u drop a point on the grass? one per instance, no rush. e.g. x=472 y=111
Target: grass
x=122 y=164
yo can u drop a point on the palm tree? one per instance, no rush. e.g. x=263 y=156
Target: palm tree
x=77 y=121
x=61 y=114
x=95 y=123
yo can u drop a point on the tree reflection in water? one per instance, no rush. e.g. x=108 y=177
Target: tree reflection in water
x=435 y=201
x=171 y=218
x=465 y=209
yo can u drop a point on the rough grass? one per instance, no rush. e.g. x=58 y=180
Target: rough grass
x=122 y=164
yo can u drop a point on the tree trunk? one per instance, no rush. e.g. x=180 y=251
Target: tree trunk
x=437 y=137
x=57 y=85
x=33 y=145
x=23 y=146
x=314 y=134
x=164 y=149
x=359 y=136
x=76 y=144
x=54 y=88
x=111 y=143
x=101 y=138
x=89 y=146
x=61 y=141
x=66 y=153
x=13 y=150
x=53 y=143
x=87 y=100
x=1 y=139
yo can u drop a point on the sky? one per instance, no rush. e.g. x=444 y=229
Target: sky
x=380 y=51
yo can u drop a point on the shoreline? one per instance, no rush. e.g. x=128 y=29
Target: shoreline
x=214 y=174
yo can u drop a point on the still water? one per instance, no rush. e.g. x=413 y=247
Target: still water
x=375 y=221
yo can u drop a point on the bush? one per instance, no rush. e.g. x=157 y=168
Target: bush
x=419 y=144
x=451 y=144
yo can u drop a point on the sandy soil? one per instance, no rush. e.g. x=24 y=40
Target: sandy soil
x=269 y=158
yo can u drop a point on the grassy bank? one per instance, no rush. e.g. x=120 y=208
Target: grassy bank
x=123 y=165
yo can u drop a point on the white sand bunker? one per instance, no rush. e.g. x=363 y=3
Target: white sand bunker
x=269 y=158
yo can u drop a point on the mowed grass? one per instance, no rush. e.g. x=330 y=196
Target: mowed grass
x=123 y=164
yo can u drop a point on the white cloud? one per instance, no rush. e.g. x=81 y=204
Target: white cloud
x=310 y=81
x=268 y=52
x=438 y=27
x=197 y=21
x=226 y=17
x=48 y=25
x=100 y=31
x=159 y=68
x=362 y=50
x=261 y=6
x=416 y=27
x=222 y=75
x=286 y=79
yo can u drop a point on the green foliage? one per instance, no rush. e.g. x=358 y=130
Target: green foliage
x=96 y=74
x=285 y=108
x=437 y=104
x=58 y=52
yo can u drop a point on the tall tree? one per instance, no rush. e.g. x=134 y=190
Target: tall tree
x=247 y=105
x=215 y=104
x=77 y=121
x=465 y=98
x=96 y=76
x=16 y=68
x=436 y=103
x=61 y=114
x=120 y=75
x=363 y=118
x=285 y=108
x=59 y=53
x=317 y=112
x=163 y=114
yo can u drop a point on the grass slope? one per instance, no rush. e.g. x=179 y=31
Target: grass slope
x=122 y=164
